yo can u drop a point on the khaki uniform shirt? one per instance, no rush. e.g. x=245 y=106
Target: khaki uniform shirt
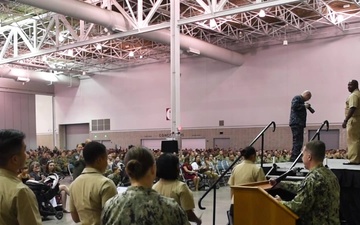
x=88 y=194
x=246 y=172
x=178 y=191
x=18 y=205
x=353 y=101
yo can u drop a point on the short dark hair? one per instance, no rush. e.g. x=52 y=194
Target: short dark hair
x=355 y=83
x=167 y=166
x=138 y=161
x=93 y=151
x=248 y=151
x=316 y=149
x=11 y=142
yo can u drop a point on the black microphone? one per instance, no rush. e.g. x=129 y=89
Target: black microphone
x=289 y=172
x=311 y=109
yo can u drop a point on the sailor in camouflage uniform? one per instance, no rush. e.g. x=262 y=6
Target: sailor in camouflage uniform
x=297 y=122
x=318 y=196
x=140 y=204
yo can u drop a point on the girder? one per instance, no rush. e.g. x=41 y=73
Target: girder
x=28 y=33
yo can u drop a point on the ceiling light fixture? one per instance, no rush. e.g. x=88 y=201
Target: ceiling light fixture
x=70 y=52
x=213 y=23
x=262 y=13
x=98 y=46
x=340 y=18
x=23 y=79
x=131 y=54
x=141 y=57
x=193 y=50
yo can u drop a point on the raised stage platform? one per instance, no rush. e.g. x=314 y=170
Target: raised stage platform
x=349 y=179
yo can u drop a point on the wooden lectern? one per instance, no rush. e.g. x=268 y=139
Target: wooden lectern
x=254 y=206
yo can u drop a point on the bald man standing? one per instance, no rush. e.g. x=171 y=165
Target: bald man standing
x=298 y=122
x=352 y=123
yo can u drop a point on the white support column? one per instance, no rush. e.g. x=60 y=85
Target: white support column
x=57 y=30
x=213 y=6
x=35 y=33
x=82 y=30
x=175 y=69
x=140 y=13
x=15 y=43
x=54 y=129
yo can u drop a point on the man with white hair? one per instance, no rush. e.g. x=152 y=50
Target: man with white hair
x=298 y=121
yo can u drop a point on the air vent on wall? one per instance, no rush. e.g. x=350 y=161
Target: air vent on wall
x=221 y=123
x=99 y=125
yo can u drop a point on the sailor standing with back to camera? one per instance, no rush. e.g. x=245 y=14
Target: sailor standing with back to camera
x=18 y=205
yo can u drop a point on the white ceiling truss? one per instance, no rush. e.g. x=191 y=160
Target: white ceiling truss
x=36 y=39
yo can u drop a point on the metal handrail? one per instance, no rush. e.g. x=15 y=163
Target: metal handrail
x=317 y=134
x=213 y=187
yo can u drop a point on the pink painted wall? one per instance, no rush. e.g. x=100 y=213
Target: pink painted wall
x=250 y=95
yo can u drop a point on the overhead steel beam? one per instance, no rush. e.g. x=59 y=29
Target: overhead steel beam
x=87 y=42
x=242 y=9
x=116 y=22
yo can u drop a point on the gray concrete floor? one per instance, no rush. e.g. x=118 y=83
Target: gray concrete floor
x=222 y=205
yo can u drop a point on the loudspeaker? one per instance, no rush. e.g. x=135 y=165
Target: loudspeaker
x=169 y=146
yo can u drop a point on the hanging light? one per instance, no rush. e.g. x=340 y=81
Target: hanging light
x=262 y=13
x=213 y=23
x=70 y=52
x=340 y=18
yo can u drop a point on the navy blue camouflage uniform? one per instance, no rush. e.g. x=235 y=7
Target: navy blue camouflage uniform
x=297 y=123
x=142 y=206
x=318 y=197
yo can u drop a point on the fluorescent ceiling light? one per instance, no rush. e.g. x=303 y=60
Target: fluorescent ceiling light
x=70 y=52
x=193 y=50
x=262 y=13
x=23 y=79
x=213 y=23
x=340 y=18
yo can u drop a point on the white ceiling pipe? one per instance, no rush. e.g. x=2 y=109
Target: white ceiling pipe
x=50 y=78
x=116 y=21
x=200 y=47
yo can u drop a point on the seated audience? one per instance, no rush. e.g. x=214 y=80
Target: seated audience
x=115 y=175
x=168 y=172
x=140 y=204
x=90 y=191
x=24 y=174
x=190 y=174
x=64 y=190
x=35 y=172
x=203 y=169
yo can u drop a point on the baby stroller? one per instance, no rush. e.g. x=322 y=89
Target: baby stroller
x=46 y=193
